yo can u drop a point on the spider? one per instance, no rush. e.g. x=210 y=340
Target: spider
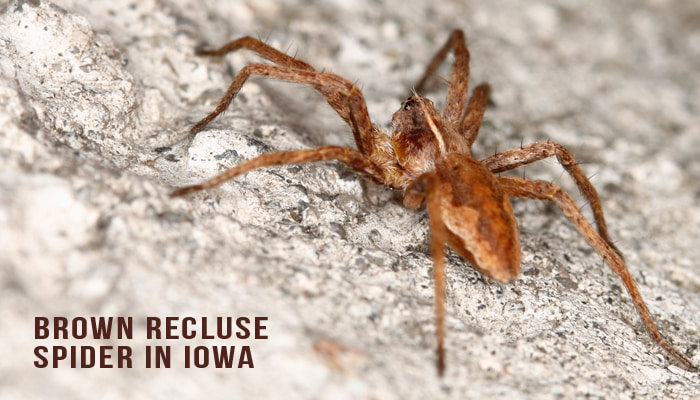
x=427 y=156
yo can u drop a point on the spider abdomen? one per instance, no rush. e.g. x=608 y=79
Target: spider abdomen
x=478 y=216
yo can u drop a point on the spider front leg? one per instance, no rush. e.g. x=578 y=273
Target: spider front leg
x=471 y=122
x=438 y=237
x=468 y=121
x=540 y=190
x=260 y=47
x=265 y=51
x=351 y=157
x=511 y=159
x=423 y=190
x=345 y=97
x=459 y=79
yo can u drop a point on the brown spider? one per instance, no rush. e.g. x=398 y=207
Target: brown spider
x=428 y=157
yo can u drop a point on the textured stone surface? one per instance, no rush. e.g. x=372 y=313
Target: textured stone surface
x=97 y=98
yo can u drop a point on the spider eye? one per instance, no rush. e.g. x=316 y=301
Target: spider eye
x=406 y=106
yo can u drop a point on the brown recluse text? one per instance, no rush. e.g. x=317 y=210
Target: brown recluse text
x=427 y=156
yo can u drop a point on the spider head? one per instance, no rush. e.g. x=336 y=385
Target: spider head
x=421 y=135
x=416 y=140
x=416 y=113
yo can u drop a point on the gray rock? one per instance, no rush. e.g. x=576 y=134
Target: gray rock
x=97 y=98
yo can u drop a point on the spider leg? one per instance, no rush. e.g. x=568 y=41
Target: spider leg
x=345 y=97
x=471 y=122
x=459 y=79
x=263 y=49
x=511 y=159
x=422 y=189
x=540 y=190
x=351 y=157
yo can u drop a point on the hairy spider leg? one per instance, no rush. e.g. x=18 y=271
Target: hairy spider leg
x=344 y=96
x=438 y=238
x=456 y=100
x=350 y=157
x=467 y=121
x=261 y=48
x=471 y=122
x=540 y=190
x=514 y=158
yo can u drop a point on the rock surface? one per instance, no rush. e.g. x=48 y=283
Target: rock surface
x=97 y=98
